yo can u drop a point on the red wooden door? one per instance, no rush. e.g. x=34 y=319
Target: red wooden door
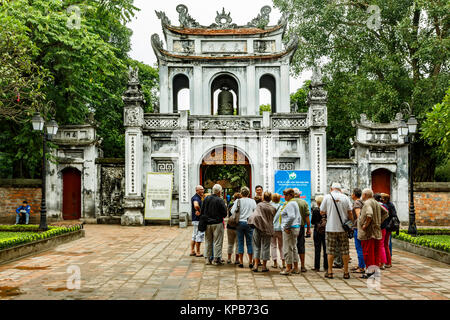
x=381 y=181
x=71 y=194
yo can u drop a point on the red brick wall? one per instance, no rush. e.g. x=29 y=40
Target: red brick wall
x=12 y=195
x=432 y=204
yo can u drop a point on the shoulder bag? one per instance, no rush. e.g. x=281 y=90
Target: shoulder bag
x=393 y=225
x=233 y=221
x=348 y=225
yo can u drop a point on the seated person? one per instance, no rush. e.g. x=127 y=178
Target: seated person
x=24 y=209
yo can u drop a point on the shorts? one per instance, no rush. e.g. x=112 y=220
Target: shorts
x=197 y=236
x=301 y=241
x=337 y=240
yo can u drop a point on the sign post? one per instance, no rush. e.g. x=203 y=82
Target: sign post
x=158 y=196
x=300 y=179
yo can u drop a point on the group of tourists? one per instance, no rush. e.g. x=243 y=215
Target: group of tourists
x=268 y=227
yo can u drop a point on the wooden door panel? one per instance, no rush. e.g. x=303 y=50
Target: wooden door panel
x=71 y=194
x=381 y=181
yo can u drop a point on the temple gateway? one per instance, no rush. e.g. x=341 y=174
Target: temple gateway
x=223 y=67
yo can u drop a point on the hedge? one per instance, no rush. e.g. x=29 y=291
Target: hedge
x=404 y=236
x=51 y=232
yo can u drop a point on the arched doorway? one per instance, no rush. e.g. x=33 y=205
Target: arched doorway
x=268 y=82
x=228 y=167
x=180 y=85
x=218 y=84
x=71 y=194
x=381 y=181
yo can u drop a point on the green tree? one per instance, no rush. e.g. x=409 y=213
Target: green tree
x=85 y=55
x=372 y=64
x=436 y=128
x=300 y=97
x=264 y=107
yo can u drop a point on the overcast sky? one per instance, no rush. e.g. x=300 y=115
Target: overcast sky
x=146 y=23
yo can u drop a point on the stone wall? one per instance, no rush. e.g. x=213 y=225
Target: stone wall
x=432 y=203
x=13 y=193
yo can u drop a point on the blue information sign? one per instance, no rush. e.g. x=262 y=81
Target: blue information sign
x=294 y=179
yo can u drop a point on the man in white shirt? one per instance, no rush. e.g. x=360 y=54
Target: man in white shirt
x=335 y=235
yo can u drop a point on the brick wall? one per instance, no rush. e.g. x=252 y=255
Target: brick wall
x=13 y=193
x=432 y=203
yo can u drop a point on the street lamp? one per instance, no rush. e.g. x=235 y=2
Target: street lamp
x=52 y=128
x=408 y=130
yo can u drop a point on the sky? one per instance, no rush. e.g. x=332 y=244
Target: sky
x=146 y=23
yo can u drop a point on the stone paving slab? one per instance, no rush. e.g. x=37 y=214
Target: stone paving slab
x=153 y=262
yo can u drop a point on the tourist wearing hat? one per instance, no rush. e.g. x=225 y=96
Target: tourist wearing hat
x=290 y=224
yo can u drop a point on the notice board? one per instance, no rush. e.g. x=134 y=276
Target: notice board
x=158 y=196
x=300 y=179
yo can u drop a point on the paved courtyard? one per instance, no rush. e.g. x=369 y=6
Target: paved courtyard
x=153 y=262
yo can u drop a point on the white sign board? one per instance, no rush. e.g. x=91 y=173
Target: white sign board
x=158 y=197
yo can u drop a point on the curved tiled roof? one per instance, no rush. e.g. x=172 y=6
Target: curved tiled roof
x=222 y=32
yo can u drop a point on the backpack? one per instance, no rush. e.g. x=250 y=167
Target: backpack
x=393 y=225
x=322 y=224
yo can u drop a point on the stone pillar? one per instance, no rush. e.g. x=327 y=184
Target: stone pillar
x=317 y=115
x=252 y=91
x=285 y=104
x=164 y=89
x=133 y=122
x=198 y=107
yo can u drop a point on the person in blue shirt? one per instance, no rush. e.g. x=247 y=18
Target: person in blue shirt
x=197 y=236
x=23 y=209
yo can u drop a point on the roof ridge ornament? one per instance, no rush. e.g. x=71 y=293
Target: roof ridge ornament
x=186 y=21
x=165 y=21
x=133 y=75
x=223 y=21
x=263 y=18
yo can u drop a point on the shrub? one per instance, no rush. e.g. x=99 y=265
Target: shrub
x=404 y=236
x=51 y=232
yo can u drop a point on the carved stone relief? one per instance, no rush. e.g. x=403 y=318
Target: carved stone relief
x=112 y=190
x=134 y=117
x=185 y=46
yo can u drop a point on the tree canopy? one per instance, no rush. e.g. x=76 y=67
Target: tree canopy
x=65 y=59
x=436 y=128
x=375 y=56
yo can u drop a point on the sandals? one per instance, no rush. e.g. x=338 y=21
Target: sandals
x=347 y=275
x=240 y=265
x=367 y=275
x=199 y=255
x=358 y=270
x=192 y=254
x=265 y=270
x=285 y=273
x=295 y=271
x=329 y=275
x=255 y=270
x=303 y=269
